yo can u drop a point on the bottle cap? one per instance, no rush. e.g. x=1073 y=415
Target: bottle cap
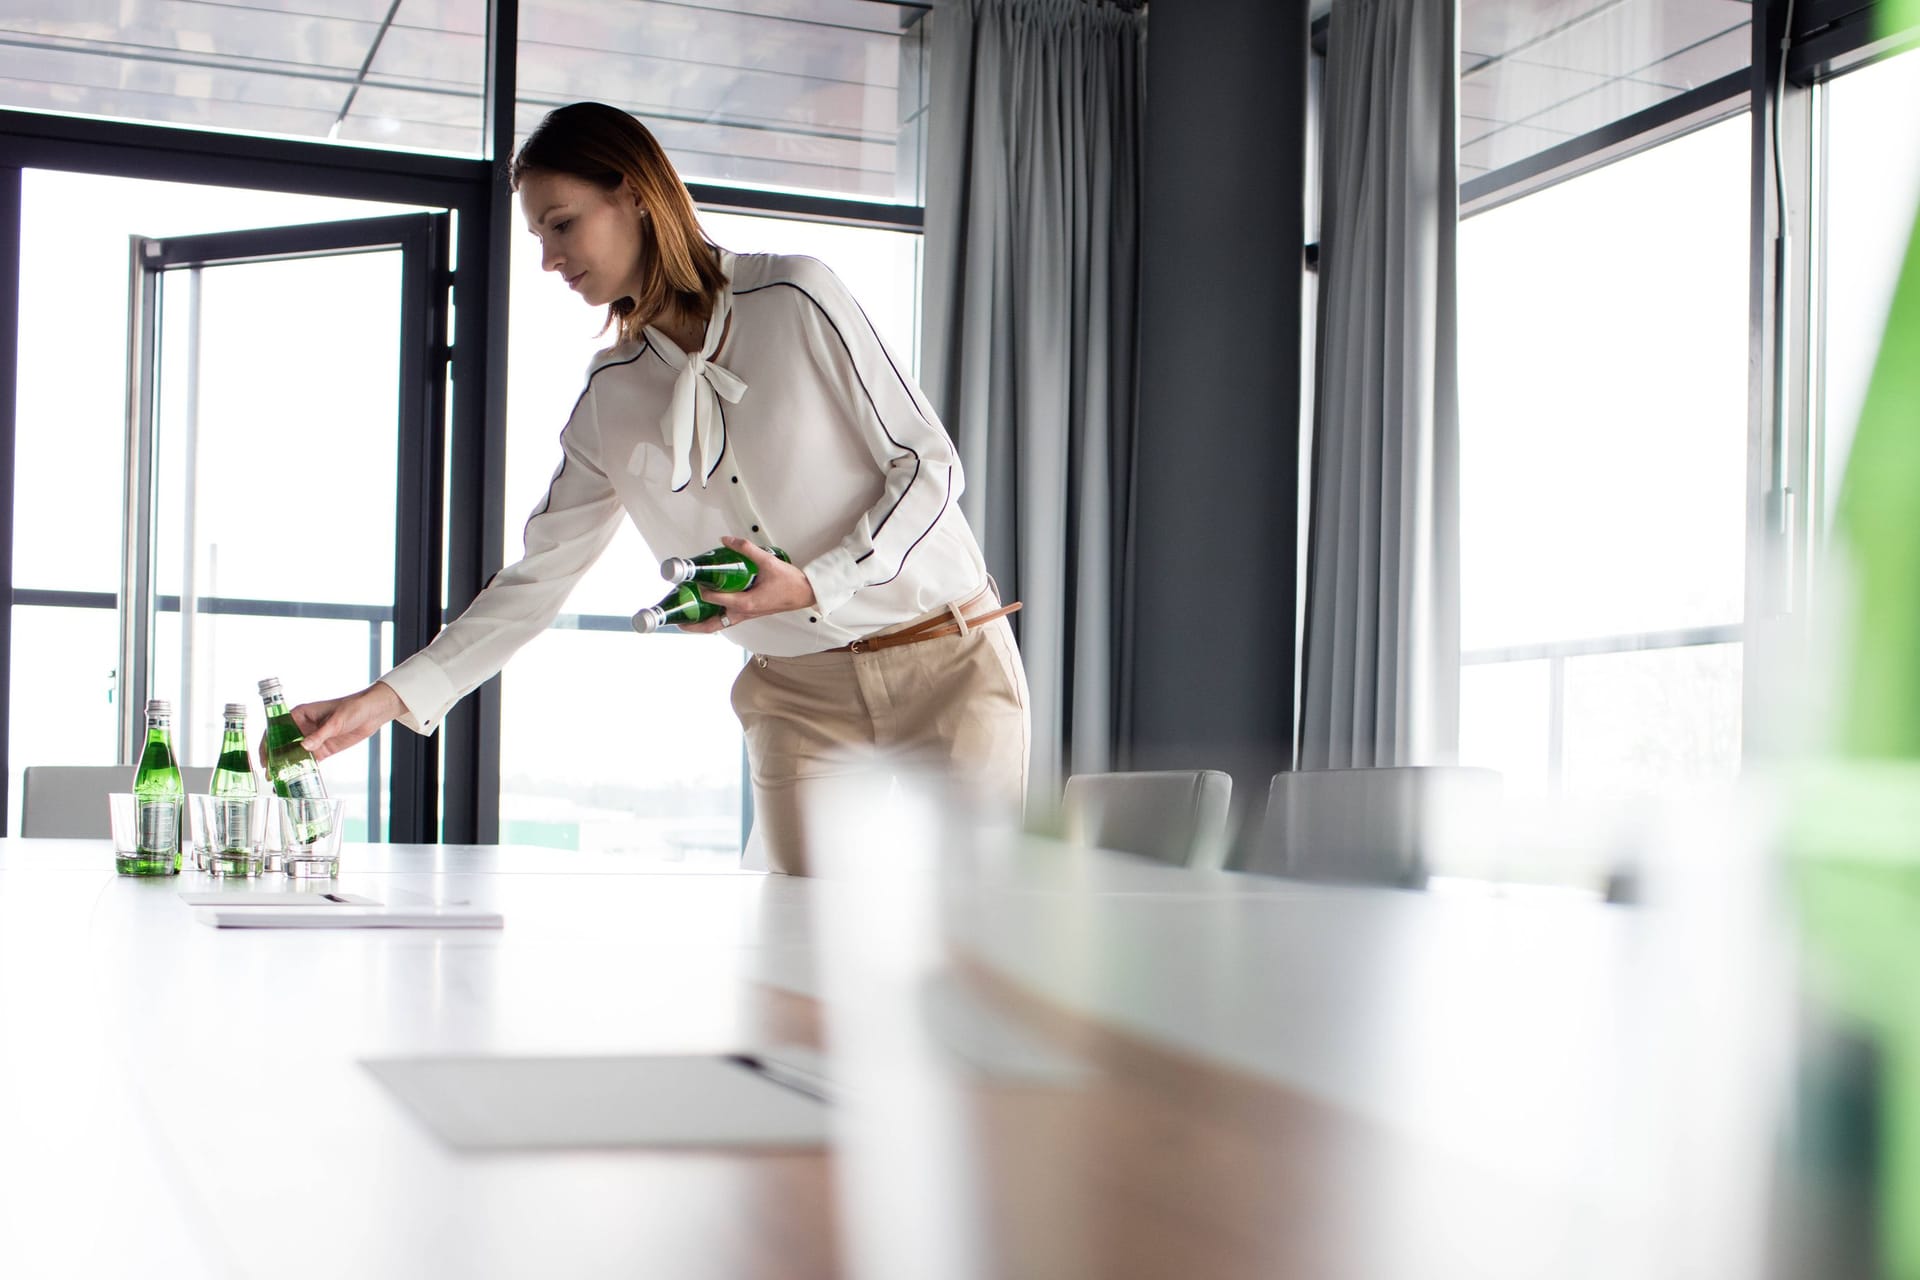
x=235 y=711
x=159 y=707
x=269 y=686
x=649 y=619
x=677 y=569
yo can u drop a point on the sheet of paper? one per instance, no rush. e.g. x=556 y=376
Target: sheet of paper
x=279 y=898
x=677 y=1100
x=347 y=917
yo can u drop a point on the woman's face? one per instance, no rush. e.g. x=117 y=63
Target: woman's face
x=588 y=235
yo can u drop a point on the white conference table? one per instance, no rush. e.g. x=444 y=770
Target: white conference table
x=1236 y=1075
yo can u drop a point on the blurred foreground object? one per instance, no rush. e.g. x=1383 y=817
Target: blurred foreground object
x=1853 y=843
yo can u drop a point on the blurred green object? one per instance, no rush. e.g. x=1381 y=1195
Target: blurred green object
x=1853 y=834
x=1854 y=826
x=1878 y=504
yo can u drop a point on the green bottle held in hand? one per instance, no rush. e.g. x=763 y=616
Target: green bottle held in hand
x=233 y=785
x=680 y=605
x=721 y=569
x=291 y=768
x=158 y=796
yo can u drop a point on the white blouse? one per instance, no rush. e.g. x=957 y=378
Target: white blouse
x=796 y=427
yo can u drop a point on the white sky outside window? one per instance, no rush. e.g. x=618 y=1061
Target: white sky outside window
x=1603 y=397
x=276 y=420
x=1603 y=377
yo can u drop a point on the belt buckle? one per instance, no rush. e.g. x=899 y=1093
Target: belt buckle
x=862 y=645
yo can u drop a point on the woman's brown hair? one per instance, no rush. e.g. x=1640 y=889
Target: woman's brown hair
x=679 y=267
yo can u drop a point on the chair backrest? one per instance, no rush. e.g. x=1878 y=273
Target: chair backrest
x=1374 y=826
x=70 y=800
x=1177 y=816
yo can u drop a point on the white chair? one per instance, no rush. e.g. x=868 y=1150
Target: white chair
x=1374 y=826
x=1177 y=816
x=70 y=801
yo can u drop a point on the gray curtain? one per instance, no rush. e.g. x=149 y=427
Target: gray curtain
x=1380 y=682
x=1030 y=329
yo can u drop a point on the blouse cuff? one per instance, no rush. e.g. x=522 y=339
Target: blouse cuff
x=835 y=577
x=425 y=690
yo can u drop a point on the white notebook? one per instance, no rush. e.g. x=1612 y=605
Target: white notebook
x=277 y=898
x=347 y=917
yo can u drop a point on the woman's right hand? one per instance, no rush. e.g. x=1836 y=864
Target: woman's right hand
x=339 y=723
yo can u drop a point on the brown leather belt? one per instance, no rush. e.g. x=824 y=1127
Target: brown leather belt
x=930 y=628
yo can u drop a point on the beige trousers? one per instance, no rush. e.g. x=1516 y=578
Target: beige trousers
x=953 y=707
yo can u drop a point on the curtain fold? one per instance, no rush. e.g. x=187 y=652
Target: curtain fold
x=1030 y=330
x=1380 y=668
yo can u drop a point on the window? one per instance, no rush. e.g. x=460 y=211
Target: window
x=1603 y=390
x=610 y=741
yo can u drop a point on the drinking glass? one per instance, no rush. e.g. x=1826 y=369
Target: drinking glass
x=123 y=818
x=228 y=833
x=310 y=831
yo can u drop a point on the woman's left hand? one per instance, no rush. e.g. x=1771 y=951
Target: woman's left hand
x=778 y=587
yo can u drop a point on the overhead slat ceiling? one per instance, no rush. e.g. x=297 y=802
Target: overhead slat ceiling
x=1536 y=73
x=786 y=93
x=810 y=95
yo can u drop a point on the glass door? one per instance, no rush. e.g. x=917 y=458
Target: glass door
x=284 y=452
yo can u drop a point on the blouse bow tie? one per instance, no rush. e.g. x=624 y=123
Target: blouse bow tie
x=698 y=389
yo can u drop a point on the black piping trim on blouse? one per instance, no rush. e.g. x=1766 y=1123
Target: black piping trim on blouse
x=944 y=503
x=546 y=502
x=877 y=416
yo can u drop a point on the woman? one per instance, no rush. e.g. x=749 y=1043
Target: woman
x=750 y=402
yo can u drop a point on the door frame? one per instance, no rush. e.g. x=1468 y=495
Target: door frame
x=424 y=242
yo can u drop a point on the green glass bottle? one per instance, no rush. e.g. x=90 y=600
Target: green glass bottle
x=234 y=792
x=158 y=797
x=682 y=604
x=291 y=768
x=721 y=569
